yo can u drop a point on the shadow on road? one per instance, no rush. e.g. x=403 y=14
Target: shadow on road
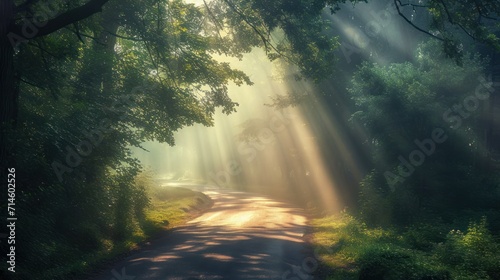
x=242 y=237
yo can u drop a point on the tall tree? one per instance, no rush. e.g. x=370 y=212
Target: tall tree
x=18 y=24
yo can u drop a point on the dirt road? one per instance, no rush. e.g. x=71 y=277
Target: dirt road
x=243 y=236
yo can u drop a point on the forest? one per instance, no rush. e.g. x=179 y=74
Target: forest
x=123 y=122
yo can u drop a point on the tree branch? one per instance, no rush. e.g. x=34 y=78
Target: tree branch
x=480 y=12
x=413 y=5
x=125 y=37
x=218 y=26
x=30 y=83
x=37 y=45
x=79 y=34
x=242 y=16
x=63 y=20
x=77 y=31
x=268 y=45
x=450 y=19
x=411 y=23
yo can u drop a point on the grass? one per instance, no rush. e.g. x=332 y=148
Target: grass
x=169 y=207
x=173 y=206
x=351 y=250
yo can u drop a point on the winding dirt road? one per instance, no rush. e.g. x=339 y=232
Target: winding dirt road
x=243 y=236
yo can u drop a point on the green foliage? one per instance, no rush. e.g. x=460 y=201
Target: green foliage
x=402 y=103
x=393 y=262
x=473 y=254
x=90 y=91
x=424 y=251
x=154 y=78
x=477 y=20
x=62 y=247
x=425 y=236
x=292 y=31
x=172 y=206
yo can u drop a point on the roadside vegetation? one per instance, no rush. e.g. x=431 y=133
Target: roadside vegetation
x=161 y=209
x=433 y=216
x=353 y=250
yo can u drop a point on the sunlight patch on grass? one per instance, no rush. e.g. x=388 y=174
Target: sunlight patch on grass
x=173 y=206
x=354 y=251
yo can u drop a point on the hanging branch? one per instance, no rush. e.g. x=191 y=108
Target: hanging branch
x=77 y=31
x=411 y=23
x=450 y=19
x=85 y=35
x=267 y=43
x=29 y=83
x=125 y=37
x=481 y=15
x=218 y=26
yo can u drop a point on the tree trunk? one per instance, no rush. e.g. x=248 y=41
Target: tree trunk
x=8 y=88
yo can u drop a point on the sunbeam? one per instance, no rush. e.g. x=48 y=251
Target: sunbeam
x=259 y=148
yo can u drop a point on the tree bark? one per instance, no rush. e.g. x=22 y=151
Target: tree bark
x=8 y=92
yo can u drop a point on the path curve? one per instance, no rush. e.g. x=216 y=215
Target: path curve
x=243 y=236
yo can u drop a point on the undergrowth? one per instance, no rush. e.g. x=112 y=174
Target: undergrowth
x=424 y=251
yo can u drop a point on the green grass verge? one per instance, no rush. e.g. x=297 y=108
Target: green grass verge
x=173 y=206
x=169 y=207
x=351 y=250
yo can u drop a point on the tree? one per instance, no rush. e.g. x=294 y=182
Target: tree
x=89 y=92
x=20 y=23
x=422 y=119
x=478 y=20
x=32 y=20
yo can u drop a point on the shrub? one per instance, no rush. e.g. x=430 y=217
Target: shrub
x=425 y=236
x=387 y=262
x=474 y=254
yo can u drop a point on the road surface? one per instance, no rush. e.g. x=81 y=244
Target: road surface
x=243 y=236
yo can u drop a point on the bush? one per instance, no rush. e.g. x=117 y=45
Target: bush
x=386 y=262
x=424 y=251
x=425 y=236
x=473 y=255
x=87 y=237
